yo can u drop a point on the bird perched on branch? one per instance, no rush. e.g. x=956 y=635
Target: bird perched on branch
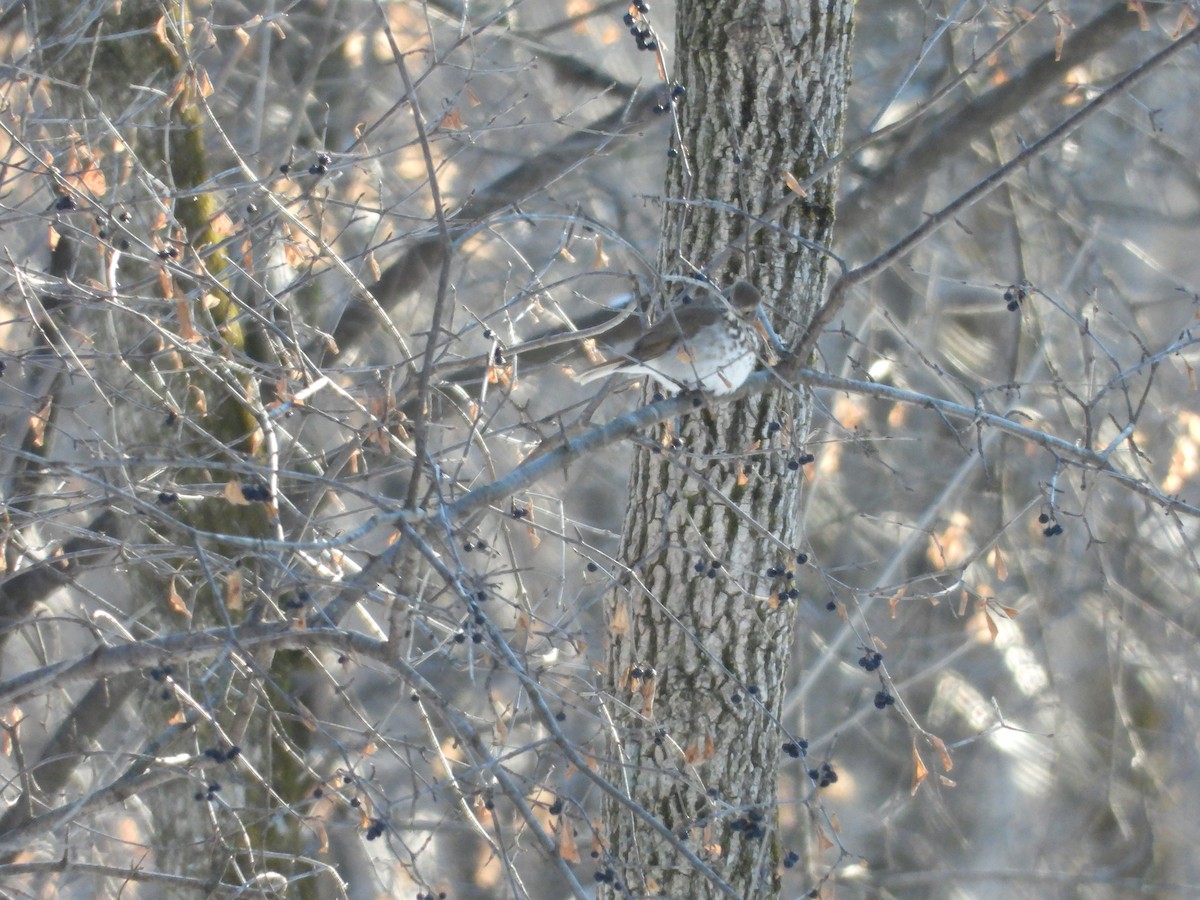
x=708 y=343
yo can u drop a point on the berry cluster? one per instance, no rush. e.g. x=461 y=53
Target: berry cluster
x=209 y=793
x=1052 y=528
x=796 y=749
x=871 y=660
x=256 y=493
x=639 y=25
x=750 y=825
x=1015 y=295
x=223 y=755
x=824 y=776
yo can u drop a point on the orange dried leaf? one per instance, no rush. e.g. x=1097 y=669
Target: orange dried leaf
x=920 y=773
x=202 y=82
x=187 y=331
x=314 y=822
x=794 y=185
x=618 y=622
x=999 y=564
x=1136 y=6
x=38 y=422
x=233 y=493
x=201 y=400
x=600 y=259
x=452 y=120
x=234 y=600
x=221 y=226
x=1061 y=24
x=992 y=627
x=943 y=753
x=1185 y=22
x=174 y=601
x=93 y=179
x=567 y=848
x=166 y=284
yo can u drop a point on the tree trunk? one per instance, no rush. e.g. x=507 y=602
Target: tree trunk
x=700 y=639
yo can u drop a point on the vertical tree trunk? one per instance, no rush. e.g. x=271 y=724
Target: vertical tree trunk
x=711 y=514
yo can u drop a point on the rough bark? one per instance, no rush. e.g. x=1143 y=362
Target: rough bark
x=711 y=513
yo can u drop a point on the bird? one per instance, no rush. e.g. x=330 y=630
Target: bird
x=706 y=343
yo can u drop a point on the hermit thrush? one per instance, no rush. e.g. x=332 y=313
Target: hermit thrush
x=707 y=342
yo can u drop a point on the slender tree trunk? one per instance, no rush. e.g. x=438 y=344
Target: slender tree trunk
x=697 y=735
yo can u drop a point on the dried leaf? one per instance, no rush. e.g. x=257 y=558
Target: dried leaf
x=220 y=226
x=166 y=284
x=600 y=259
x=234 y=600
x=93 y=179
x=315 y=823
x=38 y=422
x=174 y=601
x=999 y=565
x=233 y=493
x=618 y=622
x=567 y=848
x=187 y=331
x=1137 y=6
x=202 y=82
x=920 y=773
x=794 y=185
x=1185 y=22
x=201 y=400
x=943 y=753
x=648 y=694
x=1061 y=24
